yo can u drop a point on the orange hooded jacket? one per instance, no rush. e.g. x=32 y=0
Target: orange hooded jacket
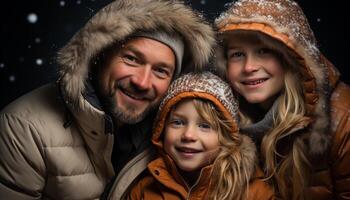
x=162 y=180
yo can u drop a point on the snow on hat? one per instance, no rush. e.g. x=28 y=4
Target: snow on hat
x=204 y=85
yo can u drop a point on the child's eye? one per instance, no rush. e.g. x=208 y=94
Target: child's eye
x=235 y=55
x=264 y=51
x=205 y=125
x=176 y=122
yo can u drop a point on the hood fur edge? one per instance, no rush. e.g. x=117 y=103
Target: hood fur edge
x=119 y=20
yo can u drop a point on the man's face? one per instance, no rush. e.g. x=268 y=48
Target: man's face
x=136 y=78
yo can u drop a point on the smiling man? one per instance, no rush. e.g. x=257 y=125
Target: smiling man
x=135 y=78
x=89 y=131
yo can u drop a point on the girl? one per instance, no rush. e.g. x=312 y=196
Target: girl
x=291 y=101
x=202 y=155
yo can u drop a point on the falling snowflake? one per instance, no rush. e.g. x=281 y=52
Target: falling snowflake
x=39 y=61
x=229 y=4
x=318 y=19
x=202 y=2
x=78 y=2
x=29 y=46
x=2 y=65
x=32 y=18
x=62 y=3
x=12 y=78
x=90 y=9
x=37 y=40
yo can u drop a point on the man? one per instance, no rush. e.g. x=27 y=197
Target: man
x=70 y=139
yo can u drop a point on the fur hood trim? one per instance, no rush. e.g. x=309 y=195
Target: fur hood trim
x=285 y=21
x=121 y=19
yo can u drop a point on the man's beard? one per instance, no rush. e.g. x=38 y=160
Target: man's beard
x=130 y=116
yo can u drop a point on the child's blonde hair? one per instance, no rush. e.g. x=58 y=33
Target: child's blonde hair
x=215 y=102
x=230 y=180
x=288 y=171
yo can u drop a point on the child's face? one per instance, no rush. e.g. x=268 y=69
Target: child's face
x=254 y=70
x=190 y=141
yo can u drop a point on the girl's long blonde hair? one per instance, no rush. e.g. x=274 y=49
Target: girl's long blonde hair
x=288 y=170
x=229 y=179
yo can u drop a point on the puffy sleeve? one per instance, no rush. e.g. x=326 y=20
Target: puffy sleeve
x=340 y=151
x=259 y=189
x=138 y=189
x=22 y=167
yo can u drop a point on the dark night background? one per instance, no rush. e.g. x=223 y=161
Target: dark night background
x=32 y=31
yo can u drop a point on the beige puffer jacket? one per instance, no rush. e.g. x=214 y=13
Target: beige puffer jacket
x=327 y=99
x=43 y=156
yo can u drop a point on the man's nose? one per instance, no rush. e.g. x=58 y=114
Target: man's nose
x=142 y=78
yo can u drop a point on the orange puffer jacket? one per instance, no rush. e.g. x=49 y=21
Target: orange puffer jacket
x=163 y=181
x=327 y=99
x=159 y=183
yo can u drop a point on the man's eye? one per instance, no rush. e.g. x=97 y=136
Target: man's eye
x=129 y=59
x=162 y=73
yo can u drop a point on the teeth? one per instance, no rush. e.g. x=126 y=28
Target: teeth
x=254 y=82
x=132 y=96
x=189 y=150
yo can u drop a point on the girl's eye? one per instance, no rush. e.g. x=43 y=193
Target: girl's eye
x=176 y=122
x=264 y=51
x=205 y=125
x=235 y=55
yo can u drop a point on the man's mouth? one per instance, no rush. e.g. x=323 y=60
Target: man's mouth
x=254 y=82
x=133 y=93
x=133 y=96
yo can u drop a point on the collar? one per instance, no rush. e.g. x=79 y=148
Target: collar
x=165 y=171
x=257 y=130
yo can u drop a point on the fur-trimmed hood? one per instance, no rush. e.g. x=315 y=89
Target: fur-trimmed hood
x=122 y=18
x=285 y=21
x=210 y=87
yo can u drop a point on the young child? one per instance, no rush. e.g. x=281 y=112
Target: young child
x=292 y=103
x=202 y=155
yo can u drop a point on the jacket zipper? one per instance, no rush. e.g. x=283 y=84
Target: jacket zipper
x=193 y=186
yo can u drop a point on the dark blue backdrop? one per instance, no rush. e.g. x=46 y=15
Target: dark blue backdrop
x=33 y=30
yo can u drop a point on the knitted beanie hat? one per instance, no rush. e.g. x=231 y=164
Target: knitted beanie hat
x=203 y=85
x=173 y=41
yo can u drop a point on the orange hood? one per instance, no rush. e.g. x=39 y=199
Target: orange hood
x=285 y=21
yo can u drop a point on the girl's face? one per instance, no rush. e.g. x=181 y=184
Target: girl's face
x=190 y=141
x=254 y=70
